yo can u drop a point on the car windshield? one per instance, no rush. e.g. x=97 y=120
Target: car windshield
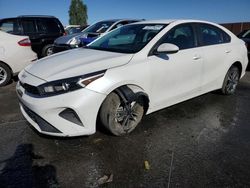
x=99 y=27
x=127 y=39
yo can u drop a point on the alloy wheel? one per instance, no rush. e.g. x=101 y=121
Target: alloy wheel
x=3 y=75
x=233 y=79
x=127 y=114
x=49 y=51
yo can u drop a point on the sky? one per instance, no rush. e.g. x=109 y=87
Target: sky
x=220 y=11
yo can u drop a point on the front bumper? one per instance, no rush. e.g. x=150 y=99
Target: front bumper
x=69 y=114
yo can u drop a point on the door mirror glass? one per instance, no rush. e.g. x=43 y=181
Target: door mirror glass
x=167 y=48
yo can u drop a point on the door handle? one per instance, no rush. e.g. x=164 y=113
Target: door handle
x=228 y=51
x=196 y=57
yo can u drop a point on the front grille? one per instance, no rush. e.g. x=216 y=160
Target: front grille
x=30 y=89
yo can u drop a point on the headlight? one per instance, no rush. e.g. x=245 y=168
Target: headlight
x=69 y=84
x=75 y=41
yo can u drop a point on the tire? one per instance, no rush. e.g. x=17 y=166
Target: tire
x=115 y=116
x=231 y=81
x=47 y=50
x=5 y=74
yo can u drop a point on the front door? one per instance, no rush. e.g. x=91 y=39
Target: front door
x=176 y=77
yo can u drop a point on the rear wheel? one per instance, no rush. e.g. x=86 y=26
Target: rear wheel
x=47 y=50
x=119 y=116
x=5 y=74
x=231 y=81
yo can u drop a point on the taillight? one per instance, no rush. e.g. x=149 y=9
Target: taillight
x=25 y=42
x=64 y=33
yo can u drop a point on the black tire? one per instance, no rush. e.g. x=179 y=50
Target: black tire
x=47 y=50
x=231 y=81
x=115 y=116
x=5 y=74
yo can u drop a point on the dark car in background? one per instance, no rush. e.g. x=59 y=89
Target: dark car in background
x=42 y=31
x=89 y=34
x=245 y=35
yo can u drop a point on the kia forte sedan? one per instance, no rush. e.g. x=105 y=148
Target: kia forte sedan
x=130 y=72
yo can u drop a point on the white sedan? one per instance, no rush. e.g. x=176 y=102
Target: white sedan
x=132 y=71
x=15 y=55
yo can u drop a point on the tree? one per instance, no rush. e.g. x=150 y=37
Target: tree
x=78 y=13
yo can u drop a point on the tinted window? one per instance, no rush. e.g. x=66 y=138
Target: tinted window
x=52 y=26
x=29 y=26
x=210 y=35
x=48 y=26
x=41 y=26
x=10 y=26
x=182 y=36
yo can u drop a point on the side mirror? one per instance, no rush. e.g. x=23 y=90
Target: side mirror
x=167 y=48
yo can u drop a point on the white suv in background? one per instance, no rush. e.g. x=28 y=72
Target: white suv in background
x=15 y=55
x=134 y=70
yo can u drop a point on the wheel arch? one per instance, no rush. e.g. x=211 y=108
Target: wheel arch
x=239 y=66
x=130 y=91
x=8 y=67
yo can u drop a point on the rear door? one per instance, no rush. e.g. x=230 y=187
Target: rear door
x=216 y=49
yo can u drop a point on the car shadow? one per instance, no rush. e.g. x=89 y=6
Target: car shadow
x=20 y=170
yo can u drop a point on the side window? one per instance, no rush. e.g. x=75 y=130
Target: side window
x=52 y=26
x=29 y=26
x=182 y=36
x=48 y=26
x=10 y=26
x=41 y=26
x=211 y=35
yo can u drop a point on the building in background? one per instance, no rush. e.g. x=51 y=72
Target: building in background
x=236 y=28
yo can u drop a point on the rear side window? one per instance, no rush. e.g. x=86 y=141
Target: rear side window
x=10 y=26
x=29 y=26
x=211 y=35
x=182 y=36
x=48 y=26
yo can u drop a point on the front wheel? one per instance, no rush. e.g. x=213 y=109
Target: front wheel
x=121 y=117
x=231 y=81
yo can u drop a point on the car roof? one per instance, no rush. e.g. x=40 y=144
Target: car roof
x=30 y=16
x=168 y=21
x=36 y=16
x=118 y=20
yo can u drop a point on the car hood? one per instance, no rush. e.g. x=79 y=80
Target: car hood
x=76 y=62
x=65 y=39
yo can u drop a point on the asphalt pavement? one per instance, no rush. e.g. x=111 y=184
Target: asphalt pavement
x=203 y=142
